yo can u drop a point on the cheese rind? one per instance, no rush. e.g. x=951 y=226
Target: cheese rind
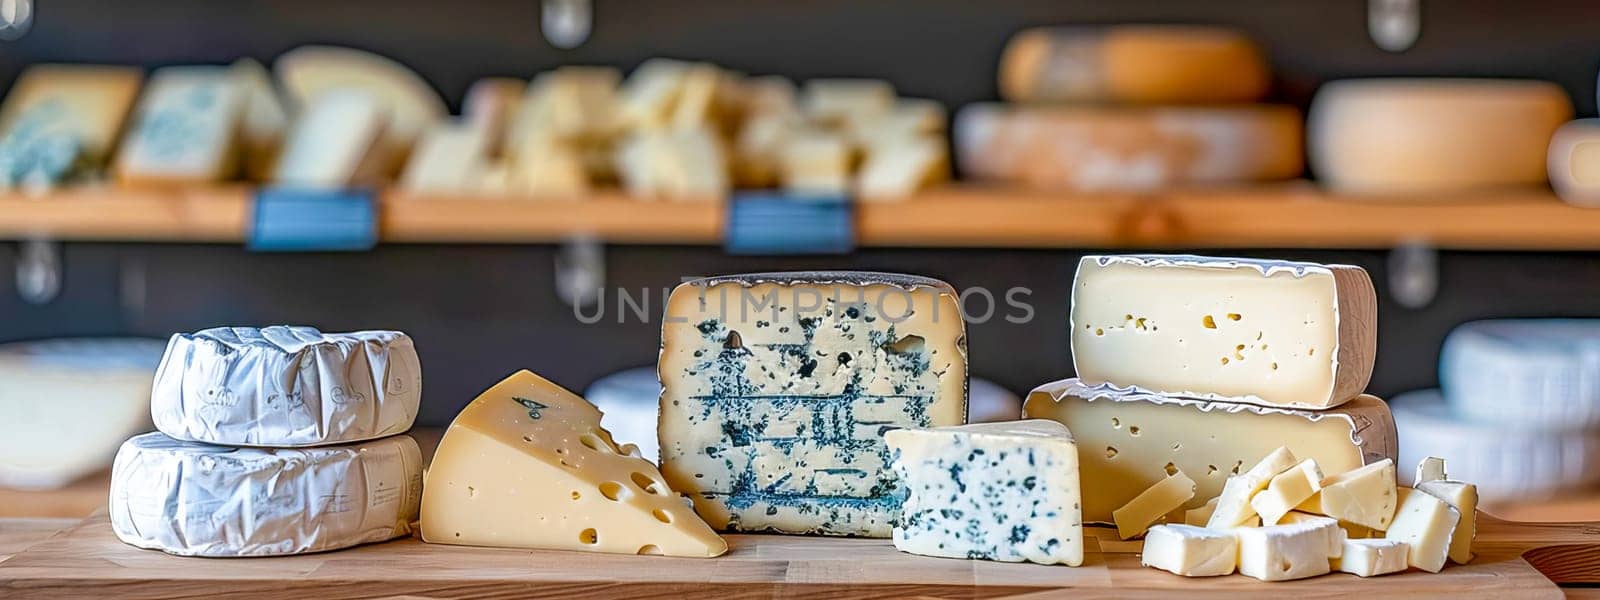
x=1574 y=162
x=286 y=386
x=1529 y=373
x=1370 y=558
x=1126 y=438
x=1336 y=534
x=997 y=491
x=1365 y=496
x=778 y=387
x=1504 y=462
x=1274 y=333
x=527 y=465
x=1287 y=490
x=1285 y=552
x=1164 y=497
x=1190 y=551
x=1464 y=498
x=1426 y=524
x=203 y=500
x=186 y=128
x=1429 y=469
x=1233 y=505
x=1164 y=64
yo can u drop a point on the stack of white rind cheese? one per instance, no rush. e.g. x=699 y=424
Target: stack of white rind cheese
x=1518 y=411
x=277 y=440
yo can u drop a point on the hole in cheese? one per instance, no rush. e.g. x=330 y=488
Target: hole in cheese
x=529 y=439
x=1172 y=469
x=650 y=549
x=911 y=344
x=589 y=536
x=1234 y=316
x=661 y=515
x=596 y=443
x=1111 y=452
x=1209 y=322
x=733 y=341
x=1133 y=431
x=1116 y=423
x=472 y=492
x=650 y=486
x=614 y=491
x=576 y=495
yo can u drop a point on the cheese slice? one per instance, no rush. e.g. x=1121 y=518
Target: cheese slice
x=1190 y=551
x=778 y=388
x=186 y=128
x=1364 y=496
x=677 y=165
x=1287 y=490
x=815 y=162
x=647 y=98
x=527 y=465
x=571 y=104
x=1101 y=148
x=448 y=159
x=1527 y=373
x=896 y=170
x=909 y=118
x=1274 y=333
x=62 y=121
x=265 y=121
x=1167 y=64
x=996 y=491
x=1233 y=506
x=1464 y=498
x=1574 y=162
x=758 y=151
x=337 y=141
x=1506 y=463
x=492 y=104
x=1285 y=552
x=1426 y=524
x=1198 y=517
x=1164 y=497
x=840 y=102
x=1126 y=439
x=309 y=72
x=1370 y=558
x=1401 y=136
x=1429 y=469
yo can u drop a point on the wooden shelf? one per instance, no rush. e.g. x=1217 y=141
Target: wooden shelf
x=1293 y=215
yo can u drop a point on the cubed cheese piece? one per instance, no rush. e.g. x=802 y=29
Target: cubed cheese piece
x=1286 y=491
x=336 y=142
x=527 y=465
x=265 y=120
x=997 y=491
x=840 y=102
x=448 y=159
x=1198 y=517
x=1336 y=534
x=673 y=164
x=1190 y=551
x=411 y=106
x=1163 y=497
x=816 y=162
x=1429 y=469
x=777 y=388
x=1464 y=498
x=1284 y=552
x=1166 y=64
x=1364 y=496
x=62 y=121
x=896 y=169
x=1425 y=523
x=1126 y=438
x=185 y=129
x=1368 y=558
x=1233 y=506
x=1273 y=333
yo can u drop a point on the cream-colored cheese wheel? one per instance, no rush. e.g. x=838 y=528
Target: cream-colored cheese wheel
x=1171 y=64
x=1575 y=162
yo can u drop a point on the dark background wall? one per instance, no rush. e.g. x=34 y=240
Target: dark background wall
x=479 y=312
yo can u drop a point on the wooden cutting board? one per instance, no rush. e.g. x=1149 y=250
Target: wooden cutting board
x=86 y=561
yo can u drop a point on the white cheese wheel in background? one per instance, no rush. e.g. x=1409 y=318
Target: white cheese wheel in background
x=65 y=406
x=336 y=142
x=1169 y=64
x=1574 y=162
x=1127 y=148
x=185 y=129
x=286 y=386
x=1396 y=136
x=1507 y=463
x=310 y=71
x=1542 y=373
x=203 y=500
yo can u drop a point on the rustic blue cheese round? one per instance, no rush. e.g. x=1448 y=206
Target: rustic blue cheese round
x=286 y=386
x=203 y=500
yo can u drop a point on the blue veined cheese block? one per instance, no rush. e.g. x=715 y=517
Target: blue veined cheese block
x=778 y=388
x=997 y=491
x=1541 y=373
x=185 y=128
x=60 y=121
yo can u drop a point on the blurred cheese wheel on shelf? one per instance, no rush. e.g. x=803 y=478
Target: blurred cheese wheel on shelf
x=1536 y=373
x=1170 y=64
x=1127 y=148
x=1575 y=162
x=1394 y=136
x=67 y=405
x=1507 y=463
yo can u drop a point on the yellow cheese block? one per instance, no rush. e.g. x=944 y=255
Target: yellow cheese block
x=1406 y=136
x=1365 y=496
x=1165 y=496
x=1464 y=498
x=1287 y=490
x=1127 y=148
x=527 y=465
x=1168 y=64
x=1574 y=162
x=1233 y=506
x=1425 y=523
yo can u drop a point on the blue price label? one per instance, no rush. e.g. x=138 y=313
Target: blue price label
x=313 y=220
x=777 y=223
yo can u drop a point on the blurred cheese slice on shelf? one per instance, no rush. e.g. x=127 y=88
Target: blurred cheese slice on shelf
x=779 y=386
x=697 y=102
x=47 y=388
x=1167 y=64
x=995 y=491
x=265 y=121
x=1127 y=148
x=910 y=118
x=570 y=104
x=195 y=499
x=186 y=128
x=1430 y=469
x=527 y=465
x=1506 y=463
x=448 y=159
x=895 y=170
x=549 y=169
x=674 y=164
x=769 y=95
x=492 y=104
x=1233 y=505
x=1285 y=552
x=816 y=162
x=1364 y=496
x=62 y=121
x=1190 y=551
x=336 y=141
x=1403 y=136
x=1574 y=162
x=1286 y=491
x=1167 y=495
x=758 y=149
x=1425 y=523
x=1463 y=497
x=844 y=102
x=1528 y=373
x=649 y=96
x=1274 y=333
x=308 y=72
x=1127 y=439
x=1370 y=558
x=1198 y=517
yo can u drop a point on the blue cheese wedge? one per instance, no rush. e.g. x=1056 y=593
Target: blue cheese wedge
x=185 y=128
x=61 y=122
x=995 y=491
x=777 y=389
